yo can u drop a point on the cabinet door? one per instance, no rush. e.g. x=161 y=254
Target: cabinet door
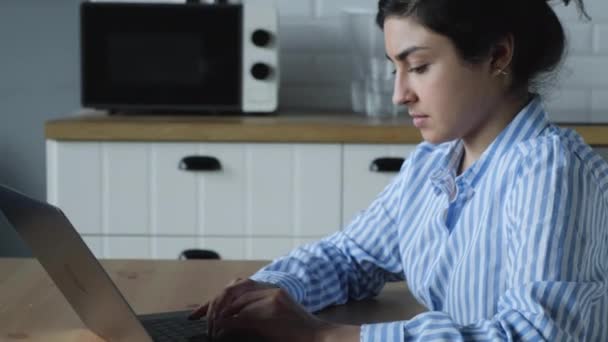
x=229 y=248
x=193 y=196
x=127 y=247
x=361 y=184
x=126 y=184
x=293 y=189
x=270 y=190
x=140 y=247
x=95 y=244
x=140 y=191
x=103 y=188
x=73 y=181
x=170 y=248
x=269 y=248
x=254 y=248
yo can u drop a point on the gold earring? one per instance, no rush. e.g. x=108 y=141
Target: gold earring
x=501 y=72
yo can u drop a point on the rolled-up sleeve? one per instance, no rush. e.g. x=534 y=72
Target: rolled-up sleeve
x=354 y=263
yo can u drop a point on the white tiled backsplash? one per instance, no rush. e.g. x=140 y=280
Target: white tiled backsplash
x=316 y=73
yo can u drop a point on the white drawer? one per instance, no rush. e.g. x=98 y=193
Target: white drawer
x=155 y=247
x=362 y=185
x=269 y=248
x=74 y=182
x=137 y=191
x=188 y=202
x=126 y=247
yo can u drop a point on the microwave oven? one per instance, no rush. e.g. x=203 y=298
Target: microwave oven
x=200 y=57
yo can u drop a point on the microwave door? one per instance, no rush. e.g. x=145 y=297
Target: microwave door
x=162 y=56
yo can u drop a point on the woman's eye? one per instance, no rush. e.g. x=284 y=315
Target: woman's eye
x=419 y=69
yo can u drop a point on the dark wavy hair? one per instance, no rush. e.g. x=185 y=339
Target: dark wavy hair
x=475 y=26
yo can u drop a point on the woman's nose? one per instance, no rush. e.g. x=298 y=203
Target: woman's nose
x=402 y=93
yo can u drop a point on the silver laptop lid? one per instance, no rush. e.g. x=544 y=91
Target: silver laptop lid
x=72 y=266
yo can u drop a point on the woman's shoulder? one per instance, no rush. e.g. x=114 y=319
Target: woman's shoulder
x=564 y=148
x=564 y=143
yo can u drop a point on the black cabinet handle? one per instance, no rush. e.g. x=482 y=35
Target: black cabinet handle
x=386 y=164
x=200 y=163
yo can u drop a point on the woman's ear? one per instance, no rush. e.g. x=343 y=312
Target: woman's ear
x=502 y=55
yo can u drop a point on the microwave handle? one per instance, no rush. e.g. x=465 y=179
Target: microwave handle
x=386 y=164
x=200 y=163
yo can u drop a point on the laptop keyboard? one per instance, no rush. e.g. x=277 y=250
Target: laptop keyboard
x=176 y=329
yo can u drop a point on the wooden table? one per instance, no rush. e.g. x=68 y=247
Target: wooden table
x=33 y=309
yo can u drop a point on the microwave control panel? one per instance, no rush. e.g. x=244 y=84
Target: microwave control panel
x=260 y=56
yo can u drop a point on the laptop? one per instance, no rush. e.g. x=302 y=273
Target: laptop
x=84 y=282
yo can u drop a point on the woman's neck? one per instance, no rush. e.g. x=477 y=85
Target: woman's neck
x=503 y=113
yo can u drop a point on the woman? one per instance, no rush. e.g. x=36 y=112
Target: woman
x=498 y=221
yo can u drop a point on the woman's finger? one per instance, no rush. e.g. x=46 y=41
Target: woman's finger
x=204 y=309
x=238 y=290
x=234 y=281
x=244 y=300
x=231 y=292
x=200 y=312
x=247 y=320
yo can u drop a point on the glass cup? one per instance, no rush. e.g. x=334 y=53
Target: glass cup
x=371 y=83
x=379 y=102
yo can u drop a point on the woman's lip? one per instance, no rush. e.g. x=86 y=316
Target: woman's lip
x=420 y=121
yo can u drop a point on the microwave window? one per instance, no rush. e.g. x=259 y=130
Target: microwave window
x=161 y=55
x=156 y=58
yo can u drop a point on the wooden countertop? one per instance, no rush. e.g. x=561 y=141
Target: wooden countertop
x=282 y=127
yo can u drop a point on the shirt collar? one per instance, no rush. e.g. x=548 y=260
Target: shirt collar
x=528 y=123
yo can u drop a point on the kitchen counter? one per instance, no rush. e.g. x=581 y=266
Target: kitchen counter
x=283 y=127
x=288 y=179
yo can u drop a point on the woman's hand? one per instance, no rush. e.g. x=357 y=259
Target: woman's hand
x=214 y=308
x=253 y=308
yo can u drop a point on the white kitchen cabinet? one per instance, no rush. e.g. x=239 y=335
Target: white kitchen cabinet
x=170 y=247
x=360 y=184
x=232 y=248
x=134 y=197
x=127 y=247
x=131 y=200
x=125 y=189
x=268 y=248
x=74 y=173
x=94 y=243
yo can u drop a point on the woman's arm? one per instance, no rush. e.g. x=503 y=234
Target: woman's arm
x=352 y=264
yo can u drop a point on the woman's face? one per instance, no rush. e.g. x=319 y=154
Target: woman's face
x=447 y=97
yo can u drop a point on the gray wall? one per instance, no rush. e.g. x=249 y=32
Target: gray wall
x=38 y=81
x=39 y=75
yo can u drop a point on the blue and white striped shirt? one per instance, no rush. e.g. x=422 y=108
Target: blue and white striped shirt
x=515 y=248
